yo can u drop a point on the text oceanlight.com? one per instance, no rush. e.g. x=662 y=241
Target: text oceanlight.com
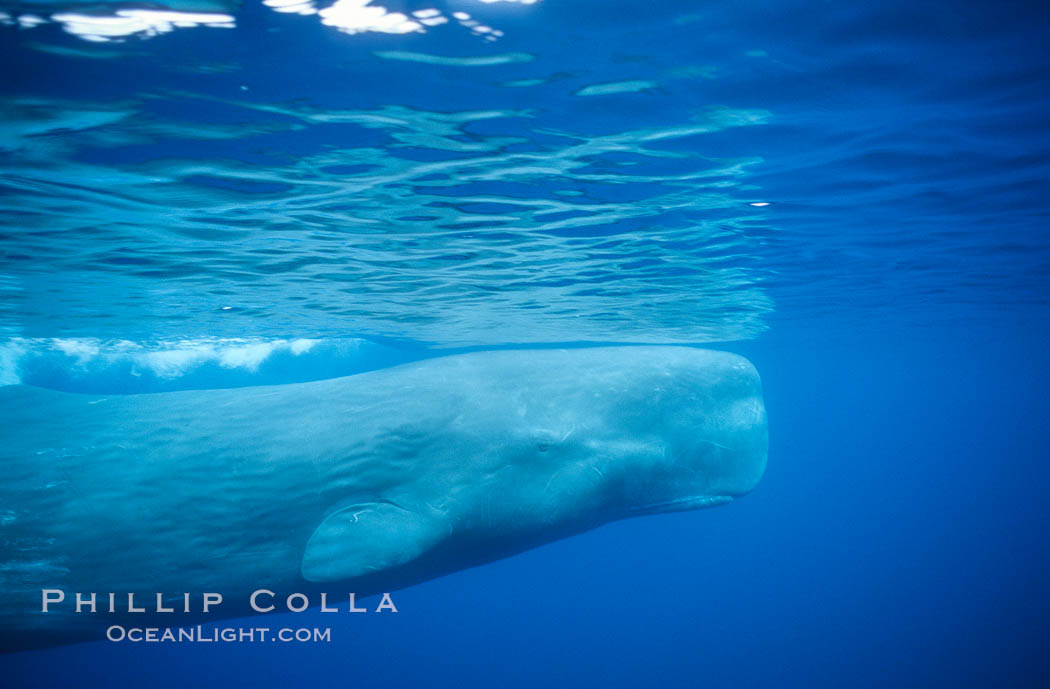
x=200 y=634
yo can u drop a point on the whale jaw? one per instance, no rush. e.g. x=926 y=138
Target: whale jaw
x=696 y=502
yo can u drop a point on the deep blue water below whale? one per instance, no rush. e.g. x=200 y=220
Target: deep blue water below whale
x=854 y=196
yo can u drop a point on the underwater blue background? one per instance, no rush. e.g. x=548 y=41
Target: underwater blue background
x=180 y=212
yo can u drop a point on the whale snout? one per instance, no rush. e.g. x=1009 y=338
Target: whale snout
x=709 y=417
x=723 y=435
x=747 y=442
x=742 y=430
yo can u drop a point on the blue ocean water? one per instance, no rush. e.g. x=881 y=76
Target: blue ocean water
x=852 y=196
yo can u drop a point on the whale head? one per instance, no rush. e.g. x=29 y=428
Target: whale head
x=625 y=431
x=698 y=424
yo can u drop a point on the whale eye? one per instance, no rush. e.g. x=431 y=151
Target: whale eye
x=546 y=438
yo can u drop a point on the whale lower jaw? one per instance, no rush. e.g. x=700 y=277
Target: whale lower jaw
x=695 y=502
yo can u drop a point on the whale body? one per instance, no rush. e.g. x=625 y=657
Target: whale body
x=366 y=483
